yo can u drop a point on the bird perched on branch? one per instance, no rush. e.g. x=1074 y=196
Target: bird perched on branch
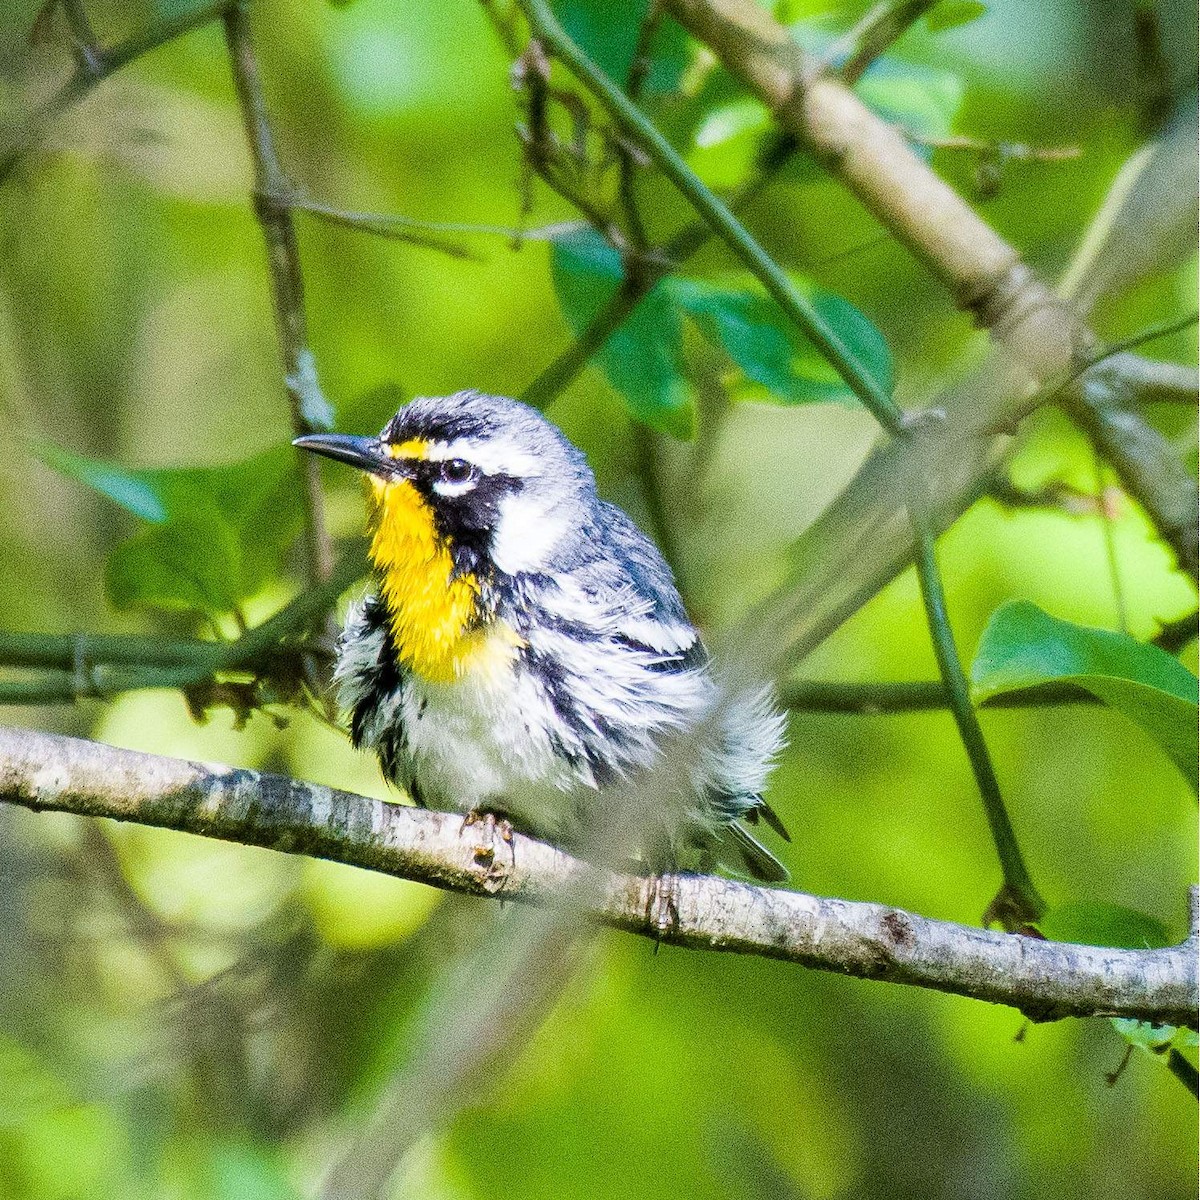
x=526 y=649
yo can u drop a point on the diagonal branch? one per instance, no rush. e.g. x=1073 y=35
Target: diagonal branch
x=718 y=216
x=882 y=25
x=1039 y=336
x=1045 y=980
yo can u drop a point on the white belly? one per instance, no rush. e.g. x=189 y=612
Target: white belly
x=484 y=742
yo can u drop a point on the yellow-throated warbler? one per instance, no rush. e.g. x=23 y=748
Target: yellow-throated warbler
x=526 y=646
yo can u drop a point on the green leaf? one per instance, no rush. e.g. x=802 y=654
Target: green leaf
x=244 y=1170
x=28 y=1086
x=769 y=348
x=643 y=359
x=952 y=13
x=216 y=536
x=1023 y=647
x=609 y=34
x=1154 y=1039
x=1104 y=925
x=728 y=121
x=921 y=100
x=729 y=139
x=135 y=491
x=949 y=14
x=188 y=565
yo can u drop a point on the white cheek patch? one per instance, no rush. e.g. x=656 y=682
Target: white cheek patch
x=526 y=535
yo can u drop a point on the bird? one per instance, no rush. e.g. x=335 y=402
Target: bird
x=524 y=651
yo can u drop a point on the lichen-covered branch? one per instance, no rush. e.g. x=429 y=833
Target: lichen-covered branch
x=1045 y=980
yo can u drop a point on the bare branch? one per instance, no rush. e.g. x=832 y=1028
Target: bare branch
x=881 y=699
x=275 y=653
x=1045 y=980
x=272 y=205
x=1099 y=403
x=1147 y=381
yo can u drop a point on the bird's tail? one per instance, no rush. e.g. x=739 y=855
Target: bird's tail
x=740 y=849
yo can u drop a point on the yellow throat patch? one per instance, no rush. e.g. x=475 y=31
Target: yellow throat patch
x=430 y=613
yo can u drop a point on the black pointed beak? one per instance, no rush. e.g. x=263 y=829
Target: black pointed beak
x=365 y=453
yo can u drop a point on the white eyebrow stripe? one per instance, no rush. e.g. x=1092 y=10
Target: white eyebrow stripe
x=493 y=456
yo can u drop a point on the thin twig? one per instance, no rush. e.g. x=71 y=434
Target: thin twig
x=1009 y=151
x=1143 y=337
x=559 y=373
x=882 y=26
x=627 y=161
x=1019 y=901
x=564 y=369
x=310 y=410
x=1055 y=496
x=1109 y=534
x=1046 y=980
x=880 y=699
x=89 y=57
x=70 y=666
x=873 y=698
x=104 y=63
x=433 y=235
x=646 y=453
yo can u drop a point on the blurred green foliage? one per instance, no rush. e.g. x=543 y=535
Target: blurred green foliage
x=200 y=1021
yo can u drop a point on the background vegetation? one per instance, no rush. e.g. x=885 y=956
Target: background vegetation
x=187 y=1019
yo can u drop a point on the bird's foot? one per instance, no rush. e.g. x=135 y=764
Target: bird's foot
x=662 y=906
x=492 y=828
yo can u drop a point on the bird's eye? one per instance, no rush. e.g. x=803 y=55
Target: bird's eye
x=456 y=470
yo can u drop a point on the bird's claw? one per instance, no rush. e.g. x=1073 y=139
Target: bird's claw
x=662 y=906
x=495 y=874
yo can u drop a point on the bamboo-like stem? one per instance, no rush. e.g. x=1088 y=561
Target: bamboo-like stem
x=1020 y=902
x=74 y=665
